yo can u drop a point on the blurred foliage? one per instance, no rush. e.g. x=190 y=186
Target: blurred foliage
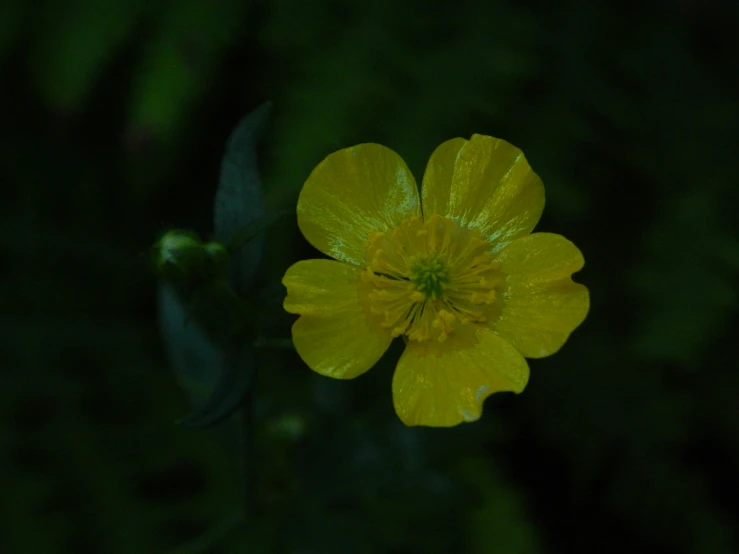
x=115 y=117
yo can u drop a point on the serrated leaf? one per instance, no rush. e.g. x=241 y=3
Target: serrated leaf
x=238 y=199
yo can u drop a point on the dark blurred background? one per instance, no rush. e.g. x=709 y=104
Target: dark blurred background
x=114 y=118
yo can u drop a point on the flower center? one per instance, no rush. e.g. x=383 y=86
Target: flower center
x=424 y=279
x=430 y=276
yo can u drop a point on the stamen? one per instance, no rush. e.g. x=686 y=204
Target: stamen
x=428 y=277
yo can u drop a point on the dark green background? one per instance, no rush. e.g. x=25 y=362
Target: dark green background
x=114 y=116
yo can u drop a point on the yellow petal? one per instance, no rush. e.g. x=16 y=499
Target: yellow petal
x=333 y=335
x=437 y=179
x=447 y=389
x=542 y=304
x=484 y=183
x=352 y=192
x=321 y=287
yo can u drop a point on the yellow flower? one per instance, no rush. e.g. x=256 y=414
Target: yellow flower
x=456 y=273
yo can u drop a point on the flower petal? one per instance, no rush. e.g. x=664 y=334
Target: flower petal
x=333 y=336
x=491 y=187
x=441 y=388
x=321 y=288
x=352 y=192
x=436 y=188
x=542 y=304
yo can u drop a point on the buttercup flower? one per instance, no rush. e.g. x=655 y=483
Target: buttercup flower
x=456 y=273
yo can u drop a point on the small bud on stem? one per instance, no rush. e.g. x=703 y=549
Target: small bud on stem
x=197 y=273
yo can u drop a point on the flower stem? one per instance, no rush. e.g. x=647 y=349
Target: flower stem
x=248 y=476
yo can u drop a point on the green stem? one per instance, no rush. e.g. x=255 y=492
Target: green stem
x=248 y=473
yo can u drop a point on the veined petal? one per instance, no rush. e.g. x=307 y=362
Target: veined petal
x=321 y=287
x=333 y=336
x=352 y=192
x=484 y=183
x=443 y=387
x=436 y=188
x=542 y=304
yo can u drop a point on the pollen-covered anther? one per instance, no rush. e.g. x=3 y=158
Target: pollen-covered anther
x=397 y=331
x=489 y=298
x=380 y=295
x=444 y=324
x=417 y=296
x=419 y=334
x=447 y=317
x=483 y=298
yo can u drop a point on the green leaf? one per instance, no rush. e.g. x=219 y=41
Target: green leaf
x=216 y=378
x=214 y=354
x=238 y=199
x=228 y=395
x=252 y=230
x=194 y=358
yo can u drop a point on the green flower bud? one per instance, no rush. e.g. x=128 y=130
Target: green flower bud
x=218 y=256
x=181 y=257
